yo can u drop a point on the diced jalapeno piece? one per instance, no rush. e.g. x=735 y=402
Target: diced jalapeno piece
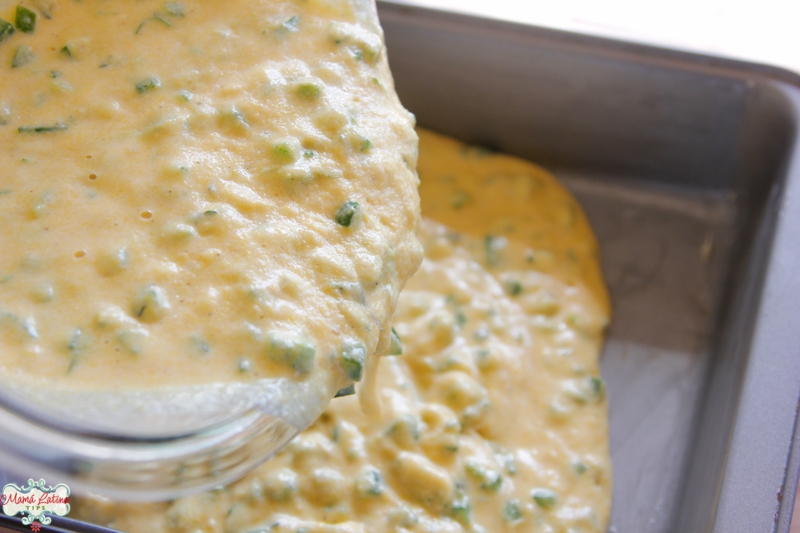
x=23 y=56
x=42 y=129
x=309 y=89
x=513 y=287
x=6 y=30
x=147 y=85
x=346 y=212
x=488 y=479
x=290 y=25
x=347 y=391
x=280 y=485
x=295 y=353
x=461 y=509
x=176 y=9
x=405 y=430
x=395 y=344
x=597 y=387
x=544 y=498
x=25 y=20
x=579 y=467
x=512 y=511
x=150 y=304
x=370 y=482
x=352 y=357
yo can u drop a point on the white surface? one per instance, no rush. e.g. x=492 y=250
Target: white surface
x=764 y=31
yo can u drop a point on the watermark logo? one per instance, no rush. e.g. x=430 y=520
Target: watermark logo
x=35 y=502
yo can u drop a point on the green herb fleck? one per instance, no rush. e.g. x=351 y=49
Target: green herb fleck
x=76 y=346
x=23 y=56
x=347 y=391
x=395 y=344
x=597 y=386
x=346 y=212
x=309 y=89
x=295 y=353
x=405 y=429
x=352 y=357
x=512 y=511
x=365 y=145
x=370 y=482
x=461 y=509
x=290 y=25
x=308 y=154
x=6 y=30
x=492 y=247
x=286 y=150
x=488 y=479
x=176 y=9
x=580 y=467
x=157 y=17
x=544 y=498
x=506 y=459
x=43 y=129
x=150 y=304
x=513 y=287
x=148 y=84
x=25 y=20
x=459 y=199
x=200 y=345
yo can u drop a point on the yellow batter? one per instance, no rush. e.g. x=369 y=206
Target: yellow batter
x=199 y=191
x=494 y=417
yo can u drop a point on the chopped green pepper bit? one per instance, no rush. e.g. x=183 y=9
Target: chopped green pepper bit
x=176 y=9
x=461 y=509
x=370 y=482
x=292 y=352
x=75 y=346
x=148 y=84
x=346 y=212
x=395 y=344
x=43 y=129
x=310 y=90
x=23 y=56
x=25 y=20
x=290 y=25
x=6 y=30
x=513 y=287
x=597 y=386
x=352 y=357
x=512 y=511
x=347 y=391
x=544 y=498
x=489 y=480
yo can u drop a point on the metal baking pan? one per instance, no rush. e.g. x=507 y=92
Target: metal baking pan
x=689 y=169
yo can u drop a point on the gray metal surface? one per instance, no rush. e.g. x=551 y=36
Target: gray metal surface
x=689 y=169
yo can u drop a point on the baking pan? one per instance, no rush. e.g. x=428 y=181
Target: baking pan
x=689 y=169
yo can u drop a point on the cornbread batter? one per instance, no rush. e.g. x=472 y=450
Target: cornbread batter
x=196 y=192
x=493 y=418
